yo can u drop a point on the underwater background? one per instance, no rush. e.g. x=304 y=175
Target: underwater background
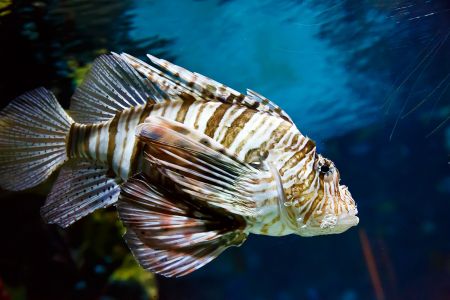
x=367 y=80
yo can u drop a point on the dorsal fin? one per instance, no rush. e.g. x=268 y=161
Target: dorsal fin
x=175 y=80
x=266 y=105
x=111 y=86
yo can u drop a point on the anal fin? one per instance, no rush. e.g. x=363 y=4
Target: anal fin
x=80 y=189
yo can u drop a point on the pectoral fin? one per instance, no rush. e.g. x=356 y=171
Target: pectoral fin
x=170 y=234
x=202 y=167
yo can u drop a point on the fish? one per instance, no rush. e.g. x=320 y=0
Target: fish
x=192 y=166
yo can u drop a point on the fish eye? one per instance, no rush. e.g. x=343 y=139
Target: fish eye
x=324 y=169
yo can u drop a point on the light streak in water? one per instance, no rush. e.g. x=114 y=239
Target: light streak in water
x=371 y=265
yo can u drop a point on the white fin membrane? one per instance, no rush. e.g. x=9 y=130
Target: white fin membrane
x=111 y=85
x=79 y=190
x=33 y=135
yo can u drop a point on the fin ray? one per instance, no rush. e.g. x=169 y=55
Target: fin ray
x=170 y=234
x=192 y=160
x=111 y=85
x=79 y=190
x=33 y=132
x=175 y=80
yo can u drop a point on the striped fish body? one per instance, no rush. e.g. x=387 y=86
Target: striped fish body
x=192 y=165
x=248 y=133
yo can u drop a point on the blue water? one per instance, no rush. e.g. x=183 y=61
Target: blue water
x=348 y=73
x=369 y=81
x=272 y=47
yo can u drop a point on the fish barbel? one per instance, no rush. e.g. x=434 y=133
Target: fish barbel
x=192 y=165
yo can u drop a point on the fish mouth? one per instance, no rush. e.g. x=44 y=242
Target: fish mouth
x=335 y=224
x=349 y=220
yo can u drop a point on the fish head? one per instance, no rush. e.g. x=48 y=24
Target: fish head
x=317 y=204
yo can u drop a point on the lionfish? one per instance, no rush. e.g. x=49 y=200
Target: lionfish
x=192 y=166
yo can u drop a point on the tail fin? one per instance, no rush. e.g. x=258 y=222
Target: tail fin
x=34 y=130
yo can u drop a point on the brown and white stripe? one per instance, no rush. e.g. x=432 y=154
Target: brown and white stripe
x=248 y=133
x=250 y=126
x=237 y=127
